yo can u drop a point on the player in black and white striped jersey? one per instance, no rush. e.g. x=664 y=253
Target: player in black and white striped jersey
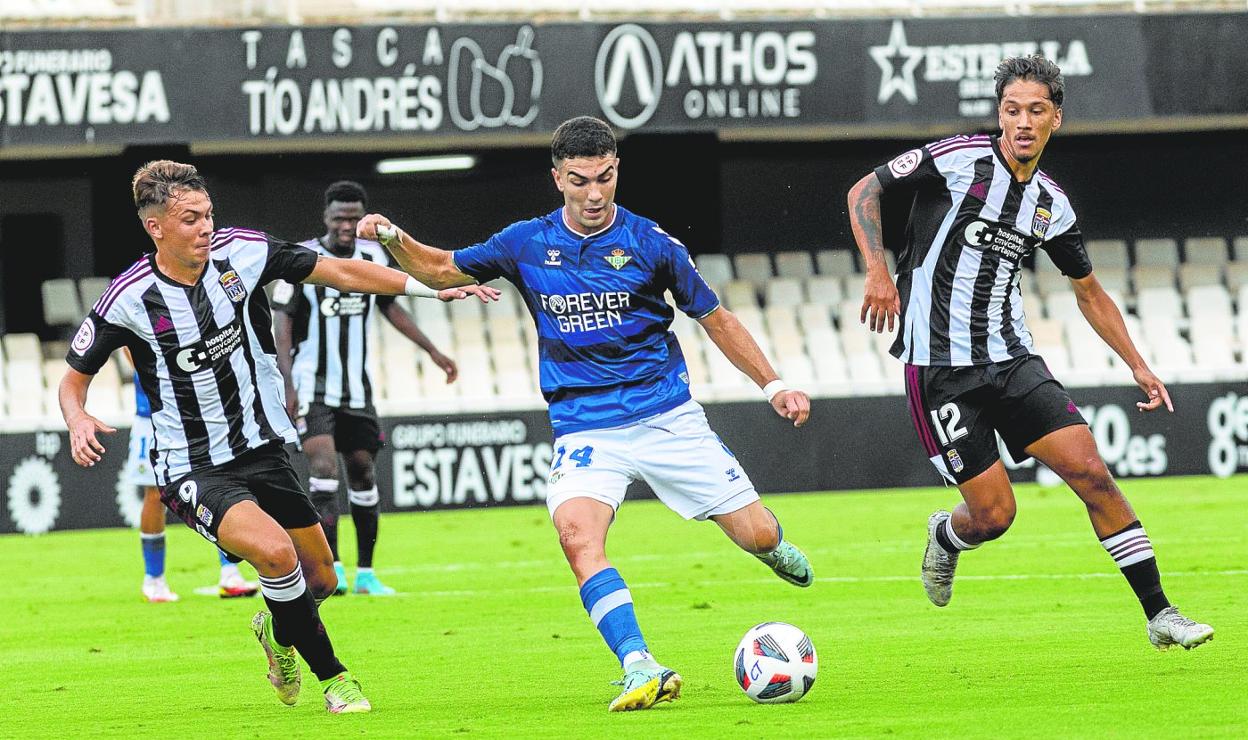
x=981 y=206
x=198 y=326
x=322 y=351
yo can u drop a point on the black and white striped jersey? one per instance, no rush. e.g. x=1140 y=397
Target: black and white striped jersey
x=331 y=334
x=204 y=353
x=971 y=226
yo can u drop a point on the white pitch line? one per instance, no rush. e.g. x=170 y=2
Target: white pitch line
x=831 y=579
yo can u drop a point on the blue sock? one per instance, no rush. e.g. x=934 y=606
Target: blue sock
x=224 y=560
x=610 y=607
x=153 y=554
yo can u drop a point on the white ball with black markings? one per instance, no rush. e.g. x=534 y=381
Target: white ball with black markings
x=775 y=663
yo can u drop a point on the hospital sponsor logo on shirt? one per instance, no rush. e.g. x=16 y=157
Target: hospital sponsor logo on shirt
x=996 y=238
x=580 y=312
x=348 y=304
x=217 y=346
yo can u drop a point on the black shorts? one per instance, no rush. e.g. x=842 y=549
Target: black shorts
x=959 y=411
x=263 y=475
x=352 y=429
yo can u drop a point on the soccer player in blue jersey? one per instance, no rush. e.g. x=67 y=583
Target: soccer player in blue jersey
x=594 y=276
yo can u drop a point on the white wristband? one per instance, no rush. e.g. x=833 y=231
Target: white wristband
x=773 y=388
x=387 y=234
x=416 y=288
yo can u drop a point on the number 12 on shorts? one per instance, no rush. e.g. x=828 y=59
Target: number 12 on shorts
x=946 y=421
x=583 y=457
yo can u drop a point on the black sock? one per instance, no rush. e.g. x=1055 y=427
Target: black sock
x=324 y=495
x=1133 y=553
x=949 y=540
x=297 y=622
x=367 y=519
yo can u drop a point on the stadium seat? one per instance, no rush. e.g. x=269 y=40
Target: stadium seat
x=1027 y=281
x=1156 y=252
x=1191 y=275
x=1108 y=254
x=1236 y=275
x=1144 y=277
x=839 y=262
x=781 y=320
x=1159 y=303
x=1049 y=279
x=1061 y=306
x=61 y=305
x=739 y=294
x=1113 y=278
x=716 y=269
x=22 y=347
x=1204 y=250
x=1210 y=304
x=1033 y=306
x=90 y=289
x=796 y=265
x=814 y=317
x=754 y=267
x=826 y=289
x=784 y=292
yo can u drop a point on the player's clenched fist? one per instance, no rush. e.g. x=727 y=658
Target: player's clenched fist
x=367 y=227
x=792 y=405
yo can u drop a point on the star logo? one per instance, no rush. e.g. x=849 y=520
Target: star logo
x=891 y=80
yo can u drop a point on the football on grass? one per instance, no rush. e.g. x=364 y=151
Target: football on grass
x=775 y=663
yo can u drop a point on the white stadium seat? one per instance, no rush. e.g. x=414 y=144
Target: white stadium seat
x=22 y=346
x=716 y=269
x=739 y=294
x=61 y=305
x=814 y=317
x=90 y=289
x=1204 y=250
x=794 y=265
x=754 y=267
x=1107 y=253
x=1113 y=278
x=1144 y=277
x=1156 y=252
x=1236 y=275
x=835 y=262
x=1210 y=304
x=784 y=292
x=826 y=289
x=1191 y=275
x=1154 y=303
x=1061 y=305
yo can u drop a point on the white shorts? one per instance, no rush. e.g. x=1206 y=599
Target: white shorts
x=138 y=470
x=676 y=453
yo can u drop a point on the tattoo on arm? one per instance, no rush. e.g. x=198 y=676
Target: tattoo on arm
x=864 y=216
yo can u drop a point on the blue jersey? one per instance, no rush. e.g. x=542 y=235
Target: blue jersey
x=606 y=356
x=142 y=406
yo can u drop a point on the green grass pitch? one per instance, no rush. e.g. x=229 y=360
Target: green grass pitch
x=488 y=639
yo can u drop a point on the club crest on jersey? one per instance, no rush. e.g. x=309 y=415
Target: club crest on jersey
x=1040 y=223
x=955 y=461
x=617 y=258
x=553 y=259
x=233 y=285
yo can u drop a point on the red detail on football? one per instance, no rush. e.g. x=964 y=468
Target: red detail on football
x=779 y=678
x=758 y=648
x=808 y=658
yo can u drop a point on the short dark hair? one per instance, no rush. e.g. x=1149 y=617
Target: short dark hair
x=346 y=191
x=157 y=181
x=1035 y=68
x=583 y=136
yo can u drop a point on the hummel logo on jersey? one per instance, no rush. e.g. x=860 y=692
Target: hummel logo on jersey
x=552 y=258
x=163 y=324
x=234 y=287
x=617 y=258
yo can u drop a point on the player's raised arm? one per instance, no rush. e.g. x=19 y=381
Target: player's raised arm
x=738 y=345
x=84 y=447
x=429 y=265
x=880 y=302
x=362 y=276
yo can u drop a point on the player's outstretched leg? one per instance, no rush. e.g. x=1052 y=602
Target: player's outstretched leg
x=755 y=529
